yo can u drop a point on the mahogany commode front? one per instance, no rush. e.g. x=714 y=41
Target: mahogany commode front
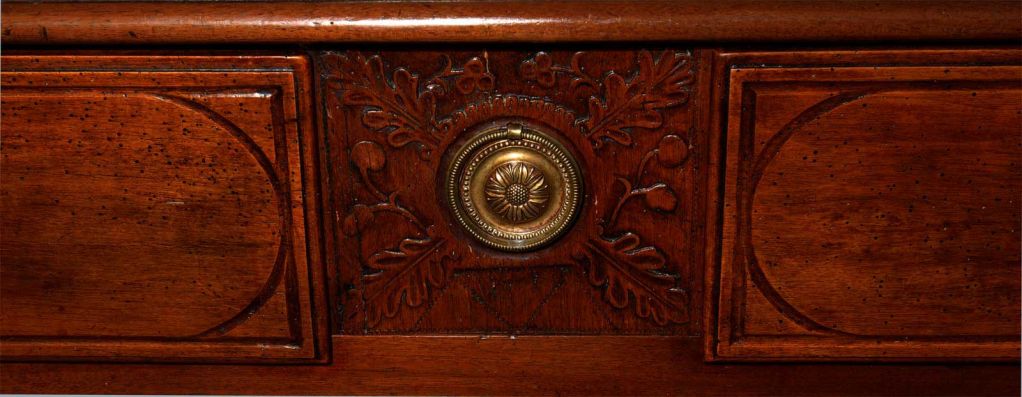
x=609 y=198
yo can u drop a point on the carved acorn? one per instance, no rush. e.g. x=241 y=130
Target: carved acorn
x=368 y=155
x=672 y=151
x=360 y=217
x=660 y=197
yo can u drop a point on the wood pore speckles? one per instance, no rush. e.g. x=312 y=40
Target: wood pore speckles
x=157 y=211
x=871 y=212
x=196 y=196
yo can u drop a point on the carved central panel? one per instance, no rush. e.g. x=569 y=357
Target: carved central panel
x=514 y=191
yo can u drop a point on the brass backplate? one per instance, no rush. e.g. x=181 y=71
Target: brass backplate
x=514 y=188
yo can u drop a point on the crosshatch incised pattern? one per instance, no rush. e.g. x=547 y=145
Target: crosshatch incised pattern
x=403 y=264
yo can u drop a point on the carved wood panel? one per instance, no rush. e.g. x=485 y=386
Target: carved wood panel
x=155 y=208
x=403 y=265
x=870 y=212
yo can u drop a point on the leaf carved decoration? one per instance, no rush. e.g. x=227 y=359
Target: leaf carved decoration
x=627 y=104
x=634 y=274
x=619 y=104
x=407 y=274
x=403 y=108
x=400 y=107
x=671 y=152
x=628 y=271
x=395 y=107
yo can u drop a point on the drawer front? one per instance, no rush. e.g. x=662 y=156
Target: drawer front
x=156 y=207
x=604 y=136
x=870 y=211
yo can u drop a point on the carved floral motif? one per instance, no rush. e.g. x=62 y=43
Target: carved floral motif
x=618 y=105
x=631 y=273
x=517 y=191
x=407 y=272
x=399 y=107
x=404 y=110
x=670 y=153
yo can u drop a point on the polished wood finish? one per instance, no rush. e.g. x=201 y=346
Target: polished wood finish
x=159 y=208
x=627 y=265
x=870 y=212
x=780 y=198
x=48 y=23
x=524 y=365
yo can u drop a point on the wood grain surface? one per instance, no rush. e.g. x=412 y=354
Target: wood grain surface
x=524 y=365
x=782 y=198
x=153 y=208
x=871 y=212
x=743 y=21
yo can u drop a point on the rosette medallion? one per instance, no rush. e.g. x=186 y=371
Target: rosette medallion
x=513 y=188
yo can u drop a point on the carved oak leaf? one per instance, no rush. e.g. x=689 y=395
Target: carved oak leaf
x=621 y=112
x=407 y=273
x=394 y=107
x=668 y=78
x=634 y=274
x=659 y=84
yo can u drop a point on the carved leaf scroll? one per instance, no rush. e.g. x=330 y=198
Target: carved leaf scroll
x=637 y=103
x=395 y=107
x=618 y=105
x=634 y=274
x=407 y=274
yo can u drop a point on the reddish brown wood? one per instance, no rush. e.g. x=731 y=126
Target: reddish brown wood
x=99 y=264
x=870 y=212
x=526 y=365
x=626 y=266
x=159 y=208
x=42 y=23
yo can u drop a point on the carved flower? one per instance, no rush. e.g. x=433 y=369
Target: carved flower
x=539 y=69
x=517 y=191
x=475 y=76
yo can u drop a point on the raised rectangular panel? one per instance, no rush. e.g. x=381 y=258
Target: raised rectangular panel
x=871 y=206
x=158 y=208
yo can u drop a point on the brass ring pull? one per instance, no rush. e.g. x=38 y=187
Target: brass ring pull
x=514 y=188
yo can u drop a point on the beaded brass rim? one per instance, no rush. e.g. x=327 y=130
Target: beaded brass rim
x=514 y=188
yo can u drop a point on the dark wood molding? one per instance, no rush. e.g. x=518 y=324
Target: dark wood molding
x=525 y=365
x=62 y=23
